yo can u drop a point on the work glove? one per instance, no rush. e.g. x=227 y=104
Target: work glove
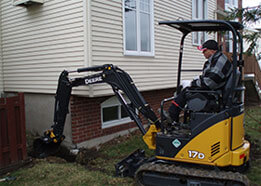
x=186 y=83
x=196 y=78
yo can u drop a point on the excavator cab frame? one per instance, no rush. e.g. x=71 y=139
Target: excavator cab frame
x=189 y=26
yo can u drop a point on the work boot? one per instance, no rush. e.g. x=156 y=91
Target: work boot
x=174 y=112
x=166 y=116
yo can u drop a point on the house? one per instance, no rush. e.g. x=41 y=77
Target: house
x=40 y=40
x=222 y=6
x=252 y=71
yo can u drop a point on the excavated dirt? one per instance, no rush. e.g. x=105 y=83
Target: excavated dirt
x=84 y=157
x=87 y=157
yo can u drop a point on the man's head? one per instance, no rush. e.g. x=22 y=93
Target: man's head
x=208 y=48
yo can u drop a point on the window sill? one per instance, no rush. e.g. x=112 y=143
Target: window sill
x=114 y=123
x=139 y=54
x=196 y=44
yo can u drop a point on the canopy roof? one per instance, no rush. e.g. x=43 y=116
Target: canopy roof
x=202 y=25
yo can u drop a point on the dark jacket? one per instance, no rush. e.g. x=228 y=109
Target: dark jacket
x=215 y=72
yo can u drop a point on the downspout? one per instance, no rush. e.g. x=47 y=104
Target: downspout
x=87 y=38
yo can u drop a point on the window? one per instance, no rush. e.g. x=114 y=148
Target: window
x=138 y=27
x=113 y=113
x=199 y=12
x=230 y=4
x=229 y=41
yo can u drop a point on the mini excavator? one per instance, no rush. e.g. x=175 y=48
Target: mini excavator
x=206 y=148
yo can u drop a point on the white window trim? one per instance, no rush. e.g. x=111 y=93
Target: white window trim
x=231 y=5
x=200 y=17
x=113 y=101
x=139 y=52
x=230 y=41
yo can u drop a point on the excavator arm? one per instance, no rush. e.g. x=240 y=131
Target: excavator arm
x=120 y=82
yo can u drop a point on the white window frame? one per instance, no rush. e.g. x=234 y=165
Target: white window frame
x=230 y=41
x=111 y=102
x=139 y=52
x=200 y=8
x=228 y=6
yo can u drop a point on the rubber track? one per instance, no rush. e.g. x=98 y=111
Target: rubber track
x=192 y=173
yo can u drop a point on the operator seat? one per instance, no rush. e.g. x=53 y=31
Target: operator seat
x=227 y=88
x=213 y=100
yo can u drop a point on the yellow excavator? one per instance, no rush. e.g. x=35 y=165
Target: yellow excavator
x=206 y=148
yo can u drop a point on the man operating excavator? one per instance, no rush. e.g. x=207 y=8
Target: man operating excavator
x=216 y=71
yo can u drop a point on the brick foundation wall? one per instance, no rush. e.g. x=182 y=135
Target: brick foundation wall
x=86 y=115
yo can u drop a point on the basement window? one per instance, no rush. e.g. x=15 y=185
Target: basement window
x=113 y=113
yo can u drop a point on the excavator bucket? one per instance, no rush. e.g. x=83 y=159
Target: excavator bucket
x=43 y=149
x=49 y=143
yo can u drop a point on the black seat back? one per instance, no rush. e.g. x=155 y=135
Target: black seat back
x=228 y=88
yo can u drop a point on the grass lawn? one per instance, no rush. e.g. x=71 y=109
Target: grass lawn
x=253 y=132
x=98 y=168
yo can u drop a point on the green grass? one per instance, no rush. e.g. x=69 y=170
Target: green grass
x=44 y=173
x=253 y=122
x=100 y=169
x=253 y=132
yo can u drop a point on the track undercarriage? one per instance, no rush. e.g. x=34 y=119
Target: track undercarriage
x=153 y=171
x=156 y=173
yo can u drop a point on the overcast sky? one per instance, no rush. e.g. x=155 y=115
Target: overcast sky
x=251 y=3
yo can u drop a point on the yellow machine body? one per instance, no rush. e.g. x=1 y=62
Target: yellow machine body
x=149 y=137
x=221 y=145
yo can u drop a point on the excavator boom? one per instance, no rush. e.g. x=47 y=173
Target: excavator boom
x=119 y=80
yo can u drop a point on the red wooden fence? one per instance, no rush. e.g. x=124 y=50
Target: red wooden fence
x=12 y=132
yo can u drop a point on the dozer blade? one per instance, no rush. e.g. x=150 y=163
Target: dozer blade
x=43 y=149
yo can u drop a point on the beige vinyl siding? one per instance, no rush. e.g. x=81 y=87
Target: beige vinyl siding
x=1 y=64
x=192 y=57
x=148 y=73
x=39 y=42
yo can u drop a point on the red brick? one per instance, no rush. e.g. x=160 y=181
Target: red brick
x=86 y=113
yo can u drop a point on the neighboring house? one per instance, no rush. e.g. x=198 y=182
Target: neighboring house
x=253 y=63
x=226 y=5
x=251 y=68
x=39 y=41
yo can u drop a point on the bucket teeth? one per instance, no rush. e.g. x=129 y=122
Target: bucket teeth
x=43 y=149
